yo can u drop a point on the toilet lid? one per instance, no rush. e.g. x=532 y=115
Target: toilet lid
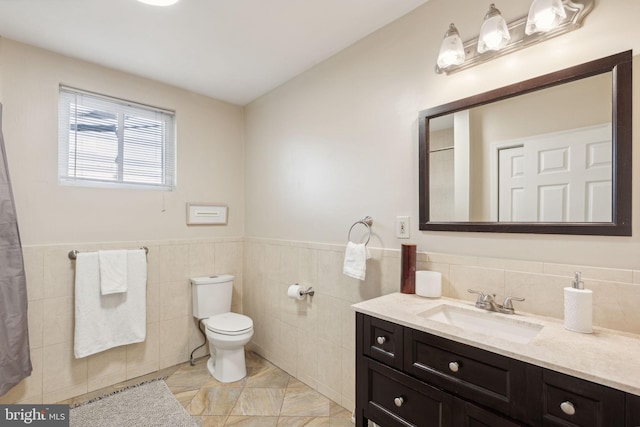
x=229 y=323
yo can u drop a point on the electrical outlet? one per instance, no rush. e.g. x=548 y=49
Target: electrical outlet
x=402 y=227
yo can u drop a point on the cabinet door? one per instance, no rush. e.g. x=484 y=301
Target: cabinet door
x=466 y=414
x=397 y=400
x=569 y=401
x=633 y=410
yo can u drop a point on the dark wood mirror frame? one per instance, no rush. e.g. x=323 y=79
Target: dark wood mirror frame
x=621 y=67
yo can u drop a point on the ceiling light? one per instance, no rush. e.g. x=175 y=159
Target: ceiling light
x=451 y=49
x=544 y=15
x=494 y=34
x=159 y=2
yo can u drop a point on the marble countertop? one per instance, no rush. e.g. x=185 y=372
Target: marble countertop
x=606 y=357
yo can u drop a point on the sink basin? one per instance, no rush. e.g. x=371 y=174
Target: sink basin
x=485 y=323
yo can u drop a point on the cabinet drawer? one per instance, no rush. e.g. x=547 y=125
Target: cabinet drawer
x=593 y=405
x=479 y=376
x=394 y=399
x=383 y=341
x=468 y=414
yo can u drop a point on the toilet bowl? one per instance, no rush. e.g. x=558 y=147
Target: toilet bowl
x=227 y=334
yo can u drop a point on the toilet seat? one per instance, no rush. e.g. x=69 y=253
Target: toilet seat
x=229 y=324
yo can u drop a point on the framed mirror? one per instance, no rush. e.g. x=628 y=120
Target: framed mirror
x=548 y=155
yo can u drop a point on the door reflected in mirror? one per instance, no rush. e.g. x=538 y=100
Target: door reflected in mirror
x=545 y=156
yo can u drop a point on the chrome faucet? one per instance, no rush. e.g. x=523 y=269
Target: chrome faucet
x=488 y=302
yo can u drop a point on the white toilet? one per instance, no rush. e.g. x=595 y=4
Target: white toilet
x=226 y=332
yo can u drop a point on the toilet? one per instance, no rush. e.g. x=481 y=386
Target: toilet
x=226 y=332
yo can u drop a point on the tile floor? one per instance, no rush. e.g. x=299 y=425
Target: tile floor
x=266 y=397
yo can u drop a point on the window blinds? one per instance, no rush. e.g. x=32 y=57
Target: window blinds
x=108 y=141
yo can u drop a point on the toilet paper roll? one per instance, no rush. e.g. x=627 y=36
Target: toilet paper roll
x=578 y=310
x=295 y=292
x=429 y=284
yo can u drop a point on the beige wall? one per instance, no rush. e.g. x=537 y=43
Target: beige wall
x=55 y=219
x=340 y=141
x=209 y=156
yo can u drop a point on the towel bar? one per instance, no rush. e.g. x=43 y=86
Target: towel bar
x=74 y=253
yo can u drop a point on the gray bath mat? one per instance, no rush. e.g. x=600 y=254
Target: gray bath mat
x=147 y=405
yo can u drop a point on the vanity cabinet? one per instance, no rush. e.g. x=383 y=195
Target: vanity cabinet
x=406 y=377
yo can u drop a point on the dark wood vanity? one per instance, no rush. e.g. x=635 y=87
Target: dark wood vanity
x=406 y=377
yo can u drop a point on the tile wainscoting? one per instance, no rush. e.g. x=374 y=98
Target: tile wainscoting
x=171 y=330
x=314 y=339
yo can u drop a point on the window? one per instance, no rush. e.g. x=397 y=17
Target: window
x=106 y=141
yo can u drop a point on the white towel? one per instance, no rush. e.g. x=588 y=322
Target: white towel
x=113 y=271
x=355 y=260
x=106 y=321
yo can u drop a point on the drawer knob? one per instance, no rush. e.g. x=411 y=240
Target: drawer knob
x=398 y=401
x=568 y=408
x=454 y=366
x=381 y=340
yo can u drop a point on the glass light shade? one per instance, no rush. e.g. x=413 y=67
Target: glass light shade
x=494 y=34
x=544 y=16
x=159 y=2
x=451 y=50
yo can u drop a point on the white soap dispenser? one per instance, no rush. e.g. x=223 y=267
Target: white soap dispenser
x=578 y=306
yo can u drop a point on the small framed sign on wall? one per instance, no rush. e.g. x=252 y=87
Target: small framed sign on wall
x=206 y=214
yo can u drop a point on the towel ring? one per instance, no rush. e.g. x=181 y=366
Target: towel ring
x=367 y=221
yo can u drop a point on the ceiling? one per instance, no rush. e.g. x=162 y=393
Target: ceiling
x=233 y=50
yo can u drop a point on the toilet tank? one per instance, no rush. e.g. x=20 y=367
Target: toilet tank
x=211 y=295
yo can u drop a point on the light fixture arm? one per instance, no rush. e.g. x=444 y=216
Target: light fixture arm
x=576 y=11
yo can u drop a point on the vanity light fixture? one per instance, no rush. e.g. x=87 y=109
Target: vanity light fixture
x=494 y=34
x=544 y=16
x=159 y=2
x=451 y=50
x=546 y=19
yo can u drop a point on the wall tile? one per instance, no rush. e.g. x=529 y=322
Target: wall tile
x=486 y=280
x=62 y=371
x=58 y=271
x=543 y=294
x=174 y=299
x=330 y=369
x=597 y=273
x=34 y=271
x=144 y=357
x=36 y=323
x=510 y=264
x=174 y=341
x=615 y=305
x=58 y=314
x=174 y=262
x=201 y=259
x=106 y=368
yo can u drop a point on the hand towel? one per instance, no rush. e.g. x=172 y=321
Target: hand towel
x=113 y=271
x=355 y=260
x=106 y=321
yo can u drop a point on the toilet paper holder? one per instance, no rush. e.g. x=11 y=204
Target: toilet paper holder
x=309 y=291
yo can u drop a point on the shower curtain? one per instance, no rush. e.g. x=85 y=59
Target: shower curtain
x=15 y=361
